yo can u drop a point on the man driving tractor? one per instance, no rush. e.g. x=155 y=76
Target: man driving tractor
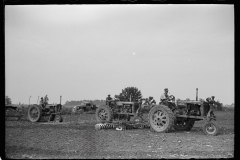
x=108 y=99
x=45 y=102
x=165 y=98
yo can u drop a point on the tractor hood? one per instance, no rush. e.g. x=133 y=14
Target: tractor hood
x=121 y=103
x=189 y=102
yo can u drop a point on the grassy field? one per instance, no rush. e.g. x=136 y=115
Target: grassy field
x=76 y=137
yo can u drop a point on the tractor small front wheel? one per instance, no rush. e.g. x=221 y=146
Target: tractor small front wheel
x=210 y=128
x=137 y=121
x=59 y=118
x=52 y=117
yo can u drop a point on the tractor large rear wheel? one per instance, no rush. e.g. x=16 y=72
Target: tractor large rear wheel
x=161 y=118
x=183 y=124
x=103 y=113
x=34 y=113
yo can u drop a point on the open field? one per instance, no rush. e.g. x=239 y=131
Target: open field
x=77 y=138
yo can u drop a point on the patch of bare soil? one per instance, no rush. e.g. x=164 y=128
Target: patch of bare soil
x=76 y=137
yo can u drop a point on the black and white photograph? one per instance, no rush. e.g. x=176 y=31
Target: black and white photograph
x=119 y=81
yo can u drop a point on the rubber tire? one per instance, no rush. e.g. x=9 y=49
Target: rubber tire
x=59 y=119
x=204 y=128
x=137 y=117
x=187 y=127
x=39 y=110
x=52 y=117
x=137 y=123
x=108 y=110
x=169 y=115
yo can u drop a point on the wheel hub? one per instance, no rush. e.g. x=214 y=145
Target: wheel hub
x=159 y=119
x=103 y=114
x=34 y=112
x=210 y=129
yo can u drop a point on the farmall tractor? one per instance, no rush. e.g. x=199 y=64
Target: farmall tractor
x=51 y=111
x=162 y=117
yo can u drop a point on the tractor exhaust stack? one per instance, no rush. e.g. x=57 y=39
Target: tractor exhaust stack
x=29 y=100
x=196 y=94
x=60 y=99
x=37 y=100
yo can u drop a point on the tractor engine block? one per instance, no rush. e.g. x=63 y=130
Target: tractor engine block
x=126 y=109
x=194 y=110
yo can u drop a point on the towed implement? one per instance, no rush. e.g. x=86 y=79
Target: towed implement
x=13 y=111
x=52 y=111
x=162 y=117
x=85 y=106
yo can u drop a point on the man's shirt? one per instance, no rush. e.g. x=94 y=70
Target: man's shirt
x=152 y=101
x=45 y=99
x=163 y=96
x=109 y=98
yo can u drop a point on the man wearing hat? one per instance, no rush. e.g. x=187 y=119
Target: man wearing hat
x=164 y=99
x=208 y=105
x=41 y=101
x=212 y=102
x=151 y=100
x=213 y=98
x=164 y=96
x=108 y=99
x=45 y=100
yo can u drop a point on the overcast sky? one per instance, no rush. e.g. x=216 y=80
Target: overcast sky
x=90 y=51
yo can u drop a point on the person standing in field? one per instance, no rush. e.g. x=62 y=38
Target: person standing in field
x=46 y=100
x=41 y=101
x=108 y=99
x=208 y=105
x=212 y=102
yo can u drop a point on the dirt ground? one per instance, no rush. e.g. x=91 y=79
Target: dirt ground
x=76 y=137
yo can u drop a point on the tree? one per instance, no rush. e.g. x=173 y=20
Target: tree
x=130 y=93
x=8 y=100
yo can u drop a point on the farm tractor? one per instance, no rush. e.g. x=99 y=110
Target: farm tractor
x=51 y=111
x=162 y=117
